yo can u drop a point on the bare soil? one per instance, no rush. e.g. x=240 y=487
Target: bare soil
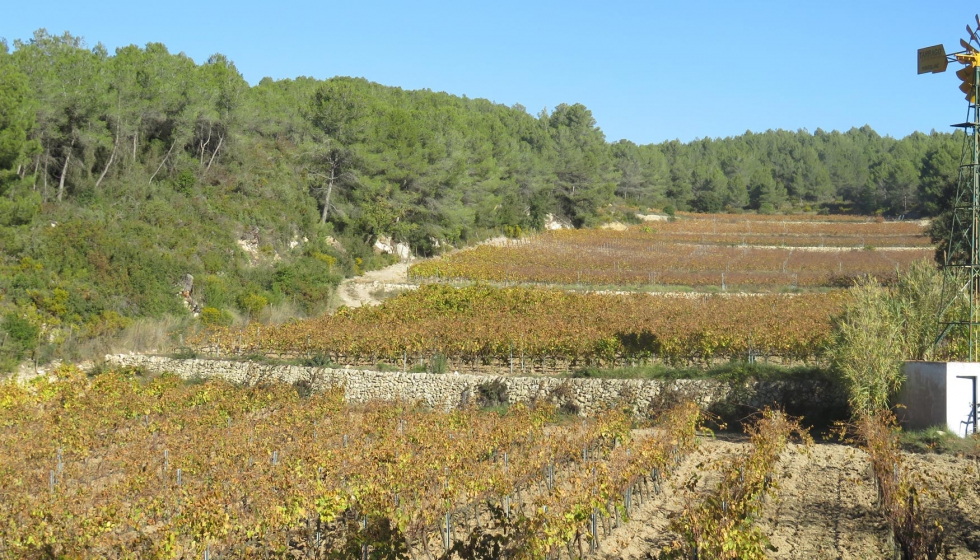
x=368 y=288
x=373 y=287
x=826 y=506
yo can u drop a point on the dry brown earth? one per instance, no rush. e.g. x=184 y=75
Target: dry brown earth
x=826 y=506
x=362 y=290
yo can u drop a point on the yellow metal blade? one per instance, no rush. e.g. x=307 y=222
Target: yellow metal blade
x=969 y=90
x=968 y=76
x=968 y=46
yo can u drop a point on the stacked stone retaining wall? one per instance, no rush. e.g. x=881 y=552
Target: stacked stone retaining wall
x=580 y=396
x=481 y=365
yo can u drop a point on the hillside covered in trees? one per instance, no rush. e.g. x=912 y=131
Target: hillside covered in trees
x=121 y=173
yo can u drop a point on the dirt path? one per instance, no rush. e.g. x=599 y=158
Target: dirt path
x=826 y=506
x=364 y=289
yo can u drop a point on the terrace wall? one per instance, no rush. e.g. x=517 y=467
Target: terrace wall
x=582 y=396
x=490 y=365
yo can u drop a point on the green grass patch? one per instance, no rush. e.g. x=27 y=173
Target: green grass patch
x=938 y=440
x=500 y=409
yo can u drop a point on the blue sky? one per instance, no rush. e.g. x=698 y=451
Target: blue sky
x=649 y=71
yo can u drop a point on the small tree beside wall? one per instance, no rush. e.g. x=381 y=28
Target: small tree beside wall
x=881 y=327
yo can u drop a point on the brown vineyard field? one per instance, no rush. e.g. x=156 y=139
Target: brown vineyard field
x=482 y=322
x=697 y=250
x=124 y=466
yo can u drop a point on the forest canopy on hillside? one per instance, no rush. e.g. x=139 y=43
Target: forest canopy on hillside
x=122 y=173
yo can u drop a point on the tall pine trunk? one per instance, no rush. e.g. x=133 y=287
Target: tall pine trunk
x=64 y=171
x=326 y=196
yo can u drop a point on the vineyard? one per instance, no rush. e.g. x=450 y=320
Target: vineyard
x=817 y=501
x=119 y=467
x=725 y=251
x=122 y=466
x=721 y=523
x=793 y=218
x=792 y=231
x=527 y=326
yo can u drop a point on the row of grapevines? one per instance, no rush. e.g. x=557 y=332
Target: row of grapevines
x=825 y=219
x=794 y=240
x=722 y=524
x=119 y=466
x=604 y=491
x=573 y=257
x=786 y=225
x=915 y=536
x=524 y=324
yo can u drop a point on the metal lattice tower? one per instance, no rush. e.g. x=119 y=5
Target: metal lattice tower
x=961 y=264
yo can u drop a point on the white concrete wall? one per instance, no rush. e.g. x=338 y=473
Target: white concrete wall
x=939 y=394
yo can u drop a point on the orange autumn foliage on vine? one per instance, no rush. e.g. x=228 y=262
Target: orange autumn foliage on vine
x=121 y=466
x=698 y=250
x=483 y=322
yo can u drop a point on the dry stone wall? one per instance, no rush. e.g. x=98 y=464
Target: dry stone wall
x=581 y=396
x=478 y=365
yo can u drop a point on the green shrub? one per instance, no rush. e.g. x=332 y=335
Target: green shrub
x=216 y=291
x=184 y=182
x=252 y=303
x=185 y=353
x=212 y=316
x=629 y=217
x=879 y=328
x=438 y=363
x=20 y=211
x=310 y=279
x=318 y=361
x=867 y=346
x=22 y=332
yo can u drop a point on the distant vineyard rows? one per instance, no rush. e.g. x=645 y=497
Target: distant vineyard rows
x=788 y=232
x=798 y=218
x=796 y=240
x=484 y=322
x=697 y=252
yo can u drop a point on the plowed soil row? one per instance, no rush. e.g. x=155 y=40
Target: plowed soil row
x=826 y=506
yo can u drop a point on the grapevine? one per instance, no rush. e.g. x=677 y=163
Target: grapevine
x=722 y=525
x=914 y=535
x=524 y=326
x=726 y=251
x=122 y=466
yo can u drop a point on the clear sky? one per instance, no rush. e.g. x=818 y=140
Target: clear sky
x=649 y=71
